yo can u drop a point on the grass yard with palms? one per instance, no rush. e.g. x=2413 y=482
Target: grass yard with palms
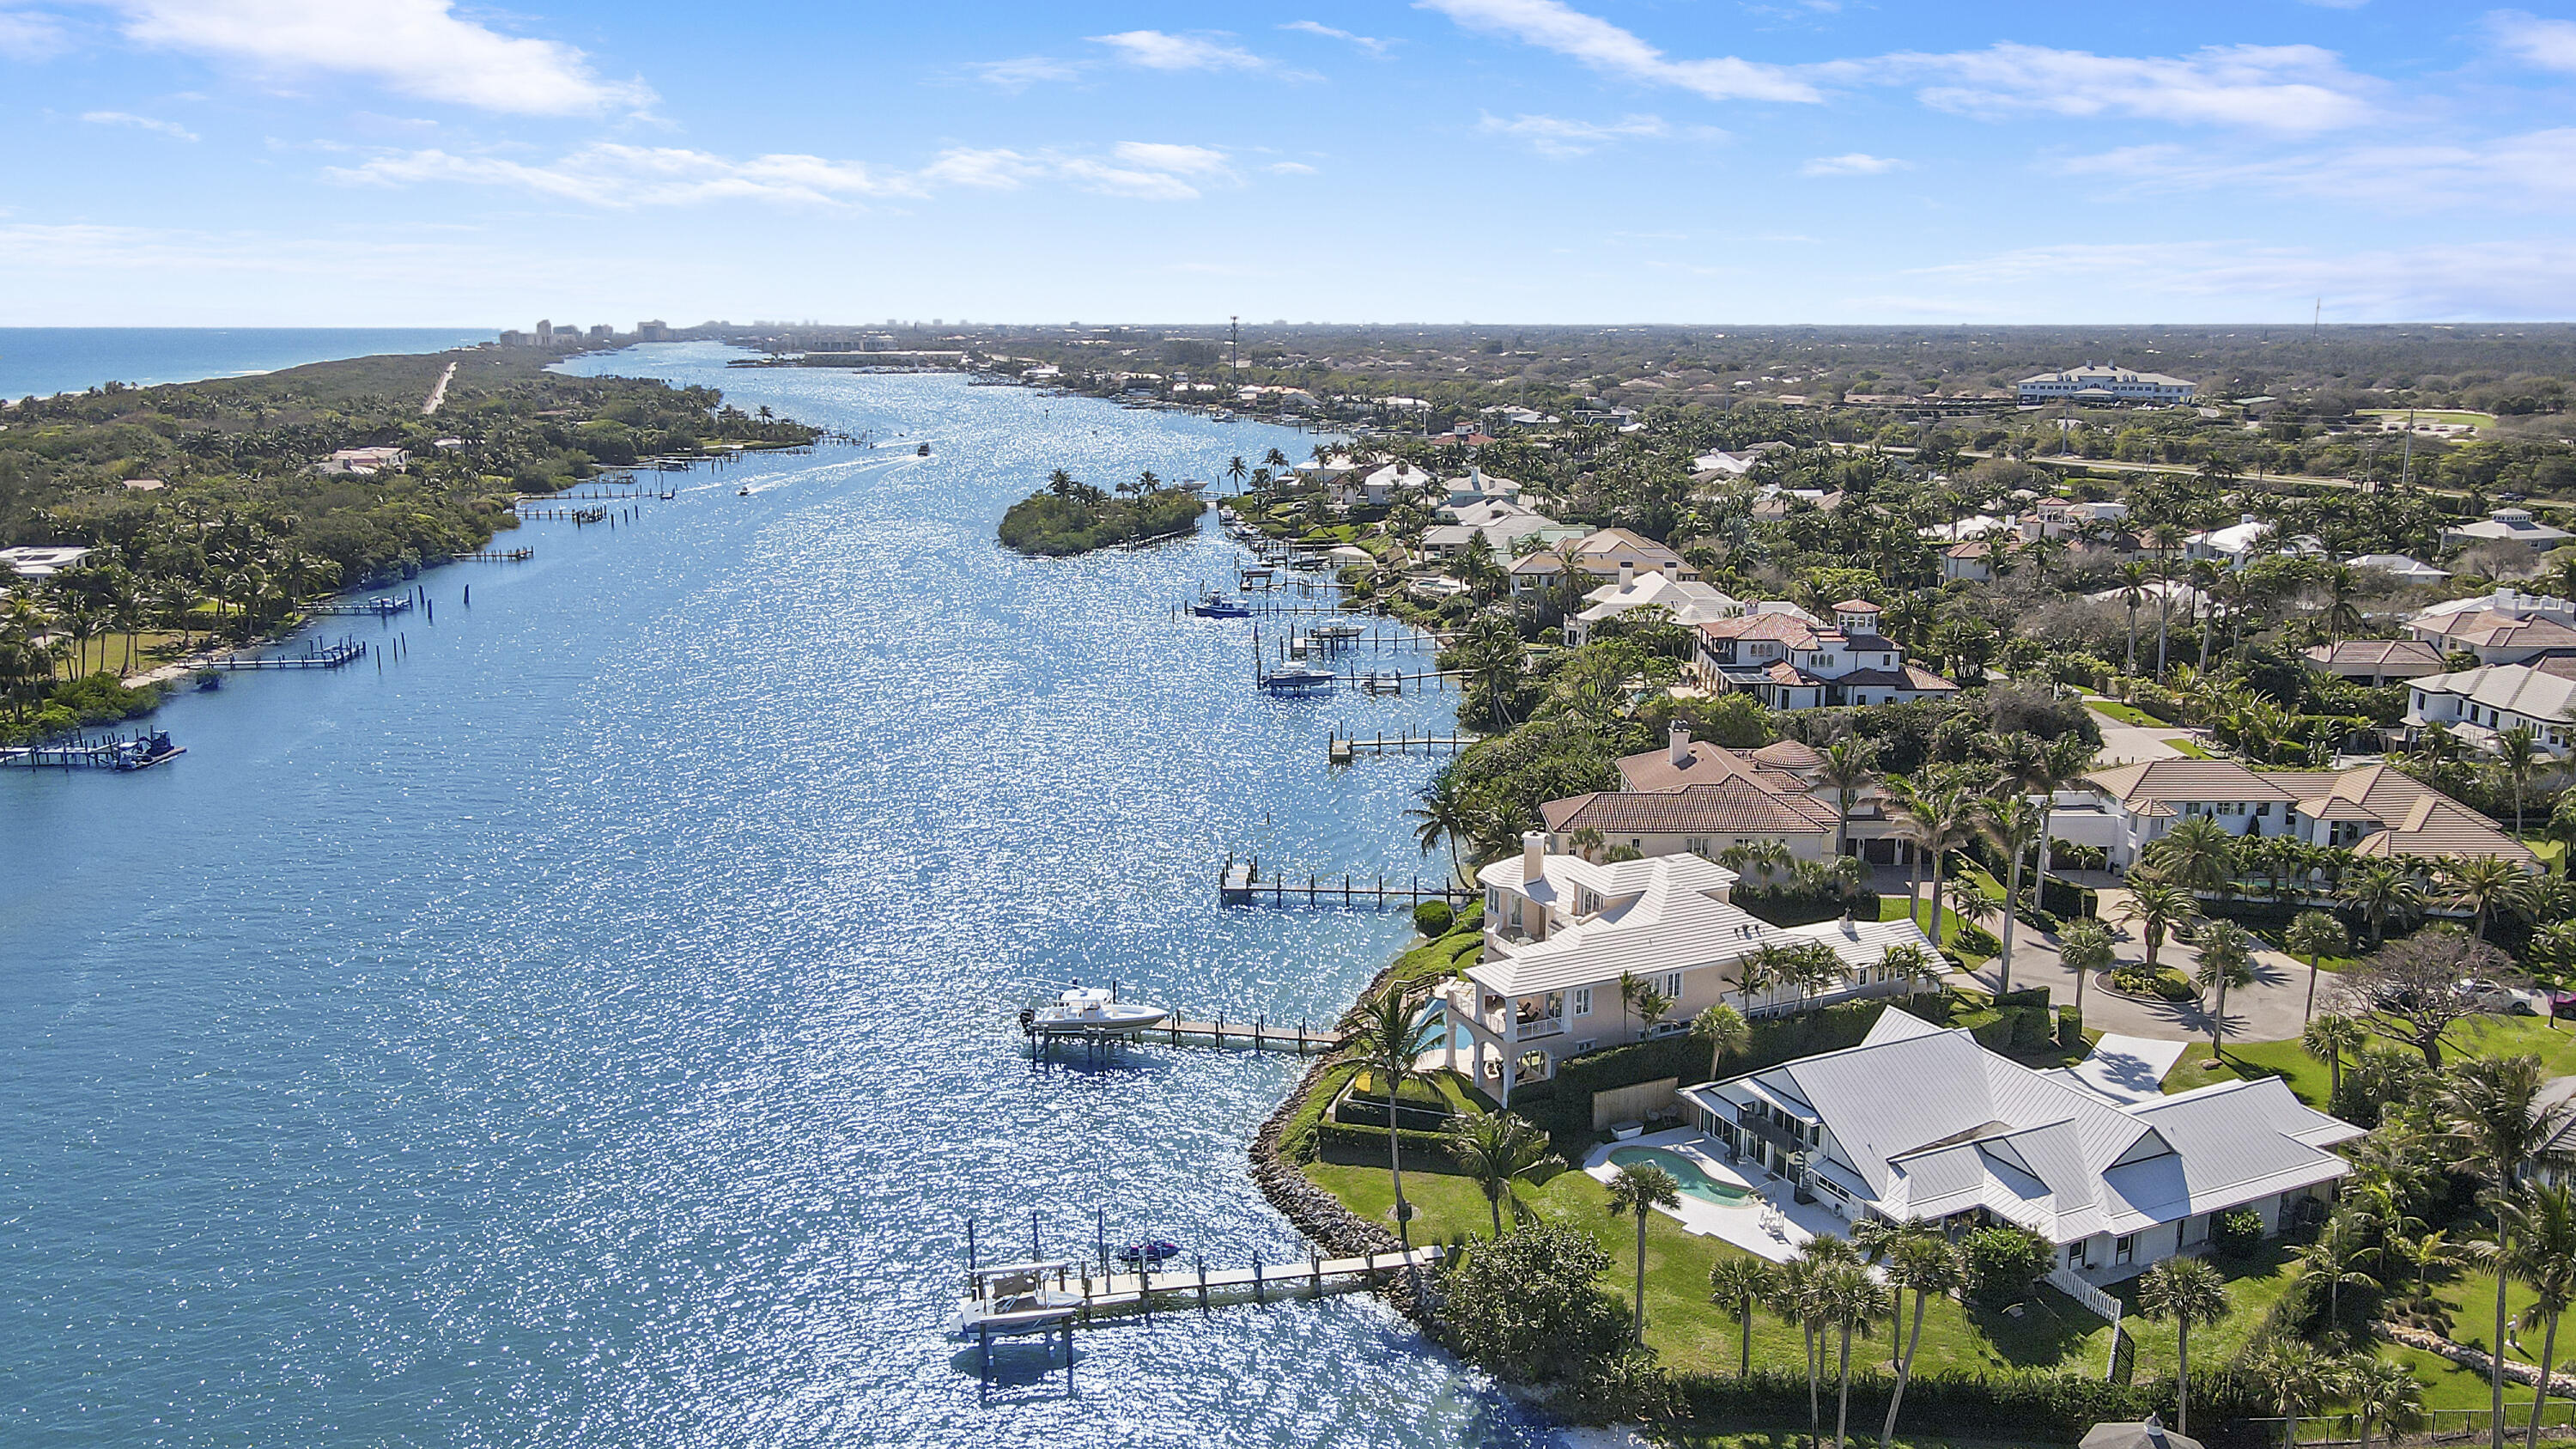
x=2493 y=1036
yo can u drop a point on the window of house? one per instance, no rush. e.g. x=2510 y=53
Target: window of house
x=2195 y=1229
x=2075 y=1255
x=1583 y=1001
x=1669 y=986
x=2124 y=1247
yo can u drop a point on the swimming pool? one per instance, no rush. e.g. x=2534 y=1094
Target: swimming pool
x=1694 y=1182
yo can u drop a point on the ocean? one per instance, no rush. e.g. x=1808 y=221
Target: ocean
x=42 y=361
x=595 y=1024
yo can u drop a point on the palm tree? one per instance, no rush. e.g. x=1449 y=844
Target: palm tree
x=2085 y=948
x=2343 y=1241
x=1723 y=1028
x=2158 y=906
x=2165 y=538
x=1850 y=1298
x=1385 y=1035
x=1444 y=816
x=1911 y=964
x=1637 y=1187
x=1969 y=902
x=1496 y=1149
x=2062 y=763
x=2383 y=891
x=2301 y=1379
x=2315 y=935
x=2010 y=823
x=2486 y=885
x=1735 y=1283
x=1927 y=1264
x=1938 y=813
x=2520 y=760
x=2226 y=962
x=2133 y=592
x=2492 y=1105
x=2330 y=1038
x=2382 y=1392
x=2199 y=854
x=1850 y=767
x=2544 y=1258
x=2187 y=1291
x=1236 y=470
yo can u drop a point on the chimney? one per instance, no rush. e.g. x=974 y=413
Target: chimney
x=1533 y=855
x=1680 y=738
x=1627 y=572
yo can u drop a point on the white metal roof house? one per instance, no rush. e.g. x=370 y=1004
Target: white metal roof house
x=2493 y=700
x=1921 y=1124
x=2506 y=525
x=2236 y=544
x=1560 y=931
x=1691 y=603
x=2105 y=382
x=41 y=561
x=2411 y=570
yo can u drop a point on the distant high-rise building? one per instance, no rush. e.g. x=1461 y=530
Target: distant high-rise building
x=545 y=333
x=656 y=330
x=603 y=333
x=515 y=338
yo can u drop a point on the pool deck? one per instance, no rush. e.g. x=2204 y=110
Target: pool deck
x=1752 y=1226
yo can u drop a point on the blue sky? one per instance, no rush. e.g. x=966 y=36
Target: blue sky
x=389 y=162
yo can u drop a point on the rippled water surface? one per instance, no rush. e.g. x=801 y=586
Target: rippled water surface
x=596 y=1027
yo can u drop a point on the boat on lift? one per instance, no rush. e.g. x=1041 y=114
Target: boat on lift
x=1299 y=679
x=1091 y=1011
x=1220 y=606
x=1013 y=1298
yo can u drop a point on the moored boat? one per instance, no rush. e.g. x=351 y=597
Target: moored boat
x=1220 y=606
x=1088 y=1011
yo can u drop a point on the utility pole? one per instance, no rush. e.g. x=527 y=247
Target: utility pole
x=1234 y=346
x=2406 y=469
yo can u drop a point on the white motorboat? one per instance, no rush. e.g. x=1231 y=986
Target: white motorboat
x=1016 y=1298
x=1092 y=1011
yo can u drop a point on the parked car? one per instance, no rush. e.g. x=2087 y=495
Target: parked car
x=2562 y=1002
x=2506 y=1000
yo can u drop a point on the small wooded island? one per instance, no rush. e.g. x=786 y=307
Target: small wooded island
x=1070 y=517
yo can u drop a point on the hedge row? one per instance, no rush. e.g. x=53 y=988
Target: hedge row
x=2035 y=1404
x=1366 y=1147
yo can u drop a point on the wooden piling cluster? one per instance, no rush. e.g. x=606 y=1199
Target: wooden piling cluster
x=1240 y=884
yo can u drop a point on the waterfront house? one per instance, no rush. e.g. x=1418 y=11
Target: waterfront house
x=1381 y=486
x=2375 y=661
x=1920 y=1124
x=1504 y=525
x=1561 y=934
x=2495 y=636
x=2482 y=705
x=1698 y=798
x=1689 y=603
x=1793 y=661
x=2372 y=810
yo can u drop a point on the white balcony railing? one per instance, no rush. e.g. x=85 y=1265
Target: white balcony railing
x=1537 y=1027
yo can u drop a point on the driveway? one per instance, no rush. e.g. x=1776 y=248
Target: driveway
x=2125 y=744
x=2272 y=1009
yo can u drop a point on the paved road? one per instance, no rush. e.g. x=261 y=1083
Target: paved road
x=2272 y=1009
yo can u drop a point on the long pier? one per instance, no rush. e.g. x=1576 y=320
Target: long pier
x=381 y=608
x=1241 y=885
x=105 y=752
x=347 y=651
x=1341 y=748
x=494 y=555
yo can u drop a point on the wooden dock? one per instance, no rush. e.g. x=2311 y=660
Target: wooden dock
x=1340 y=748
x=495 y=555
x=381 y=608
x=104 y=752
x=333 y=656
x=1241 y=885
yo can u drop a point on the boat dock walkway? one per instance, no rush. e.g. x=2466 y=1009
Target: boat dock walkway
x=495 y=555
x=105 y=752
x=1241 y=884
x=382 y=608
x=1341 y=748
x=326 y=656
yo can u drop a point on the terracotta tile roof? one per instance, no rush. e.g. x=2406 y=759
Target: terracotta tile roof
x=1790 y=754
x=2373 y=654
x=2186 y=780
x=1788 y=629
x=2418 y=819
x=2490 y=630
x=1708 y=765
x=1731 y=807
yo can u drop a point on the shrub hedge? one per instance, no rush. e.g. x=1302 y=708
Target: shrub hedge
x=2035 y=1404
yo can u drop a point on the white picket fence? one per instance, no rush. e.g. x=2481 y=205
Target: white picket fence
x=2102 y=1305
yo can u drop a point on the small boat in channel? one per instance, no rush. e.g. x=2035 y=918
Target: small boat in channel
x=1091 y=1011
x=1220 y=606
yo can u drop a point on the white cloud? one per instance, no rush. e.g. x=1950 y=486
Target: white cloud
x=620 y=177
x=1557 y=136
x=30 y=35
x=1553 y=25
x=2535 y=170
x=1289 y=168
x=418 y=47
x=2443 y=281
x=1025 y=71
x=1369 y=45
x=1160 y=50
x=2550 y=44
x=1851 y=163
x=2290 y=88
x=140 y=123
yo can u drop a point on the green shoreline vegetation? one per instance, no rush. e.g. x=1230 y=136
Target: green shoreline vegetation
x=1069 y=517
x=210 y=523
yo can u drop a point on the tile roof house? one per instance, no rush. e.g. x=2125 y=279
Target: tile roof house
x=1921 y=1124
x=2495 y=637
x=2483 y=704
x=1698 y=798
x=2372 y=810
x=2507 y=600
x=1611 y=553
x=2375 y=661
x=1794 y=661
x=1561 y=931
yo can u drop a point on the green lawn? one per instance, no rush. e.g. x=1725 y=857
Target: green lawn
x=2456 y=416
x=2127 y=714
x=1684 y=1328
x=1892 y=908
x=2494 y=1036
x=2188 y=749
